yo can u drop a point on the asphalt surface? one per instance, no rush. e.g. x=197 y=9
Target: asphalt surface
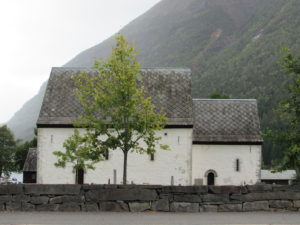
x=150 y=218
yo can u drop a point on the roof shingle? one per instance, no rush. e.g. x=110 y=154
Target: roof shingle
x=213 y=120
x=31 y=160
x=226 y=120
x=170 y=89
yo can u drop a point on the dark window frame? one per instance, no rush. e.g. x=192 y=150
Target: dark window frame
x=237 y=165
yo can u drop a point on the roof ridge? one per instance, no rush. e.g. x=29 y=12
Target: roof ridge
x=162 y=68
x=227 y=99
x=142 y=68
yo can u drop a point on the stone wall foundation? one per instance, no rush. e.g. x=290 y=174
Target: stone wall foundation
x=141 y=198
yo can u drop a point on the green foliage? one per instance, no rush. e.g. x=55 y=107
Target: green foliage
x=78 y=152
x=289 y=111
x=13 y=152
x=216 y=95
x=118 y=112
x=291 y=160
x=7 y=151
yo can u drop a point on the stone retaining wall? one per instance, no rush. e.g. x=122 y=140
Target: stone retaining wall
x=135 y=198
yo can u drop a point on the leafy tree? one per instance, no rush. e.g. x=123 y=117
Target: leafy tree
x=216 y=95
x=118 y=112
x=77 y=153
x=7 y=150
x=289 y=110
x=291 y=160
x=22 y=150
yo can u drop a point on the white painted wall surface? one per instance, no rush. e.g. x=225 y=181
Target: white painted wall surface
x=222 y=159
x=141 y=170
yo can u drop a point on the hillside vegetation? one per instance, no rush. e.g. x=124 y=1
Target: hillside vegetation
x=231 y=46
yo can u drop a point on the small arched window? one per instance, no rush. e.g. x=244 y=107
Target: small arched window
x=210 y=177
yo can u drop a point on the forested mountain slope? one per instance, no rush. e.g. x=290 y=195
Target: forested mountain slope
x=24 y=121
x=232 y=47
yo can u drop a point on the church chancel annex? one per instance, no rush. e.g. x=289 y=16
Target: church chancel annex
x=212 y=141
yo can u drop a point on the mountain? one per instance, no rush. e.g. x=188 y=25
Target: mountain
x=231 y=46
x=23 y=122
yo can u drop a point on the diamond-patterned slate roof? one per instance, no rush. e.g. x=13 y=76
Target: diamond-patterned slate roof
x=31 y=160
x=170 y=89
x=226 y=120
x=214 y=120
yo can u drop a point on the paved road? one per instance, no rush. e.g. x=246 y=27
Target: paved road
x=149 y=218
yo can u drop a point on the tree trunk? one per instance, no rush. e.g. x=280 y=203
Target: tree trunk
x=125 y=168
x=0 y=171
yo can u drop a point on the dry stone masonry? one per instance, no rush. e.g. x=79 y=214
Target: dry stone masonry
x=135 y=198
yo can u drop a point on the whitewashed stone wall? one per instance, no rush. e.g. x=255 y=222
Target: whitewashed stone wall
x=222 y=159
x=141 y=170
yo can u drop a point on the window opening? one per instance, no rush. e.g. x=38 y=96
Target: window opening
x=237 y=165
x=211 y=179
x=79 y=176
x=106 y=154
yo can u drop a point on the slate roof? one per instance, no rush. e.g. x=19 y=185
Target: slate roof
x=226 y=120
x=170 y=89
x=213 y=120
x=31 y=160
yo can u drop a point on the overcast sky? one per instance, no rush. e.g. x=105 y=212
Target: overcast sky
x=39 y=34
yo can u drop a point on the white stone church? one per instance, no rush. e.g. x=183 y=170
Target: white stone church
x=215 y=142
